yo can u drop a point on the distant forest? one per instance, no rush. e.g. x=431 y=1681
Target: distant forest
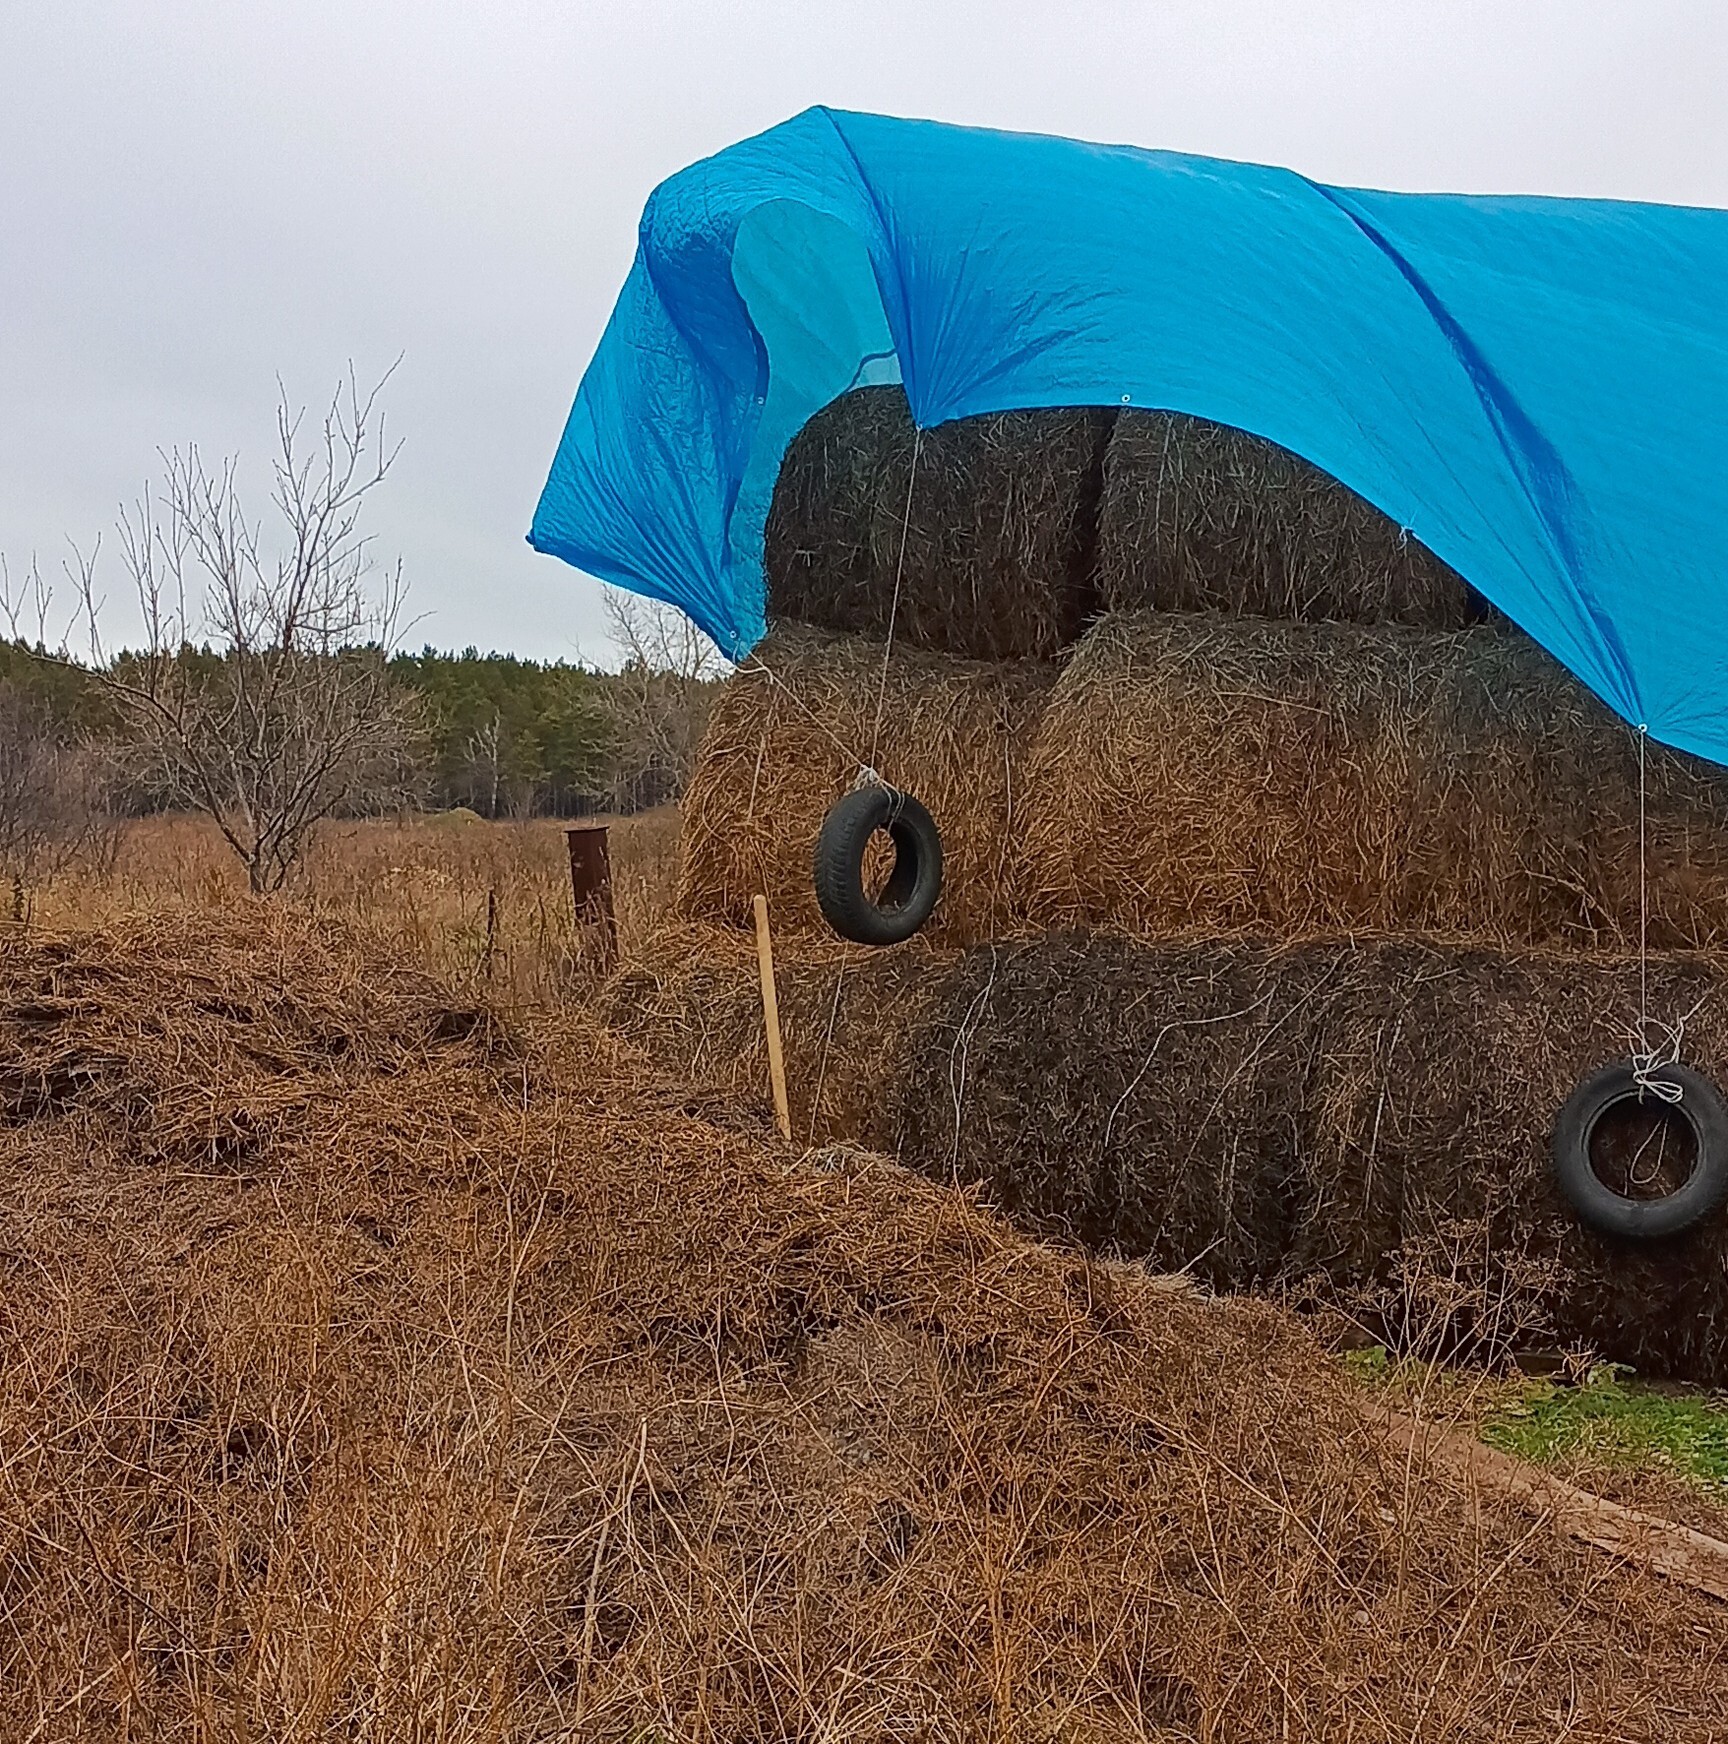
x=503 y=736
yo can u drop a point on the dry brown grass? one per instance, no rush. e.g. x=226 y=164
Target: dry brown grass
x=373 y=1372
x=426 y=886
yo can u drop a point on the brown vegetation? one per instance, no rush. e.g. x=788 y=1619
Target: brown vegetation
x=53 y=798
x=371 y=1370
x=482 y=905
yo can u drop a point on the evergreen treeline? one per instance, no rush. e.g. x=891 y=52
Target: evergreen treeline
x=501 y=735
x=509 y=736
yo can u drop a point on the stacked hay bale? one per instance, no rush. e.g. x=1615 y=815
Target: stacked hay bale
x=787 y=737
x=1204 y=772
x=1372 y=862
x=1151 y=673
x=1360 y=1122
x=981 y=561
x=1198 y=517
x=992 y=543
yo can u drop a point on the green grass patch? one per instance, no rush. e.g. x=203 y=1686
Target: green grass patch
x=1614 y=1424
x=1610 y=1421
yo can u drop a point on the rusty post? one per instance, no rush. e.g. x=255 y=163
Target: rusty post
x=591 y=885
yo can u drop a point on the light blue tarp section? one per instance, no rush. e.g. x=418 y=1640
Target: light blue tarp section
x=1538 y=389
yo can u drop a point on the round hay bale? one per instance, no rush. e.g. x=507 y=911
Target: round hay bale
x=1141 y=1099
x=1198 y=773
x=1363 y=1121
x=1201 y=517
x=1430 y=1202
x=786 y=739
x=1359 y=1123
x=998 y=543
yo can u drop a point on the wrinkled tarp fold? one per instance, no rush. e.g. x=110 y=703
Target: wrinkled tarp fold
x=1536 y=388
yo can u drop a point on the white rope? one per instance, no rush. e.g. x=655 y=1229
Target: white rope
x=869 y=769
x=1651 y=1058
x=868 y=775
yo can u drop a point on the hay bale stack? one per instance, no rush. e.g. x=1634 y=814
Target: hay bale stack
x=1199 y=773
x=786 y=740
x=999 y=546
x=1200 y=517
x=1373 y=1117
x=1365 y=1123
x=1080 y=1080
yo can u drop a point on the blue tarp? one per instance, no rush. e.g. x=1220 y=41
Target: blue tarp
x=1537 y=388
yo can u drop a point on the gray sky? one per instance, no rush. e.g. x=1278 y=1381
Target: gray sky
x=198 y=197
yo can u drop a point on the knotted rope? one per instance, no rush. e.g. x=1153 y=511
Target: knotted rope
x=1650 y=1058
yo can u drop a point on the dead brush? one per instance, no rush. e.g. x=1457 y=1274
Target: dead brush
x=1449 y=1293
x=489 y=1402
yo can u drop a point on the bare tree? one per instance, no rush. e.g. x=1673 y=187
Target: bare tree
x=484 y=752
x=53 y=778
x=262 y=694
x=51 y=794
x=660 y=698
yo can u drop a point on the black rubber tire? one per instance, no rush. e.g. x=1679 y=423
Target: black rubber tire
x=913 y=886
x=1612 y=1213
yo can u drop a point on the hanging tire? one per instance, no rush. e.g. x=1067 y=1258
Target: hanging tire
x=1645 y=1219
x=913 y=886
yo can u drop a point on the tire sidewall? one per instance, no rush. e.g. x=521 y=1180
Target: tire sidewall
x=839 y=865
x=1613 y=1214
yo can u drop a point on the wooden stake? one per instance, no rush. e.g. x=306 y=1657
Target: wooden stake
x=591 y=885
x=771 y=1017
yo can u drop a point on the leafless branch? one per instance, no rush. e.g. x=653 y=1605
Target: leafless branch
x=660 y=701
x=261 y=693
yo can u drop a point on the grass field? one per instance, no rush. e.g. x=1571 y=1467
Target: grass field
x=424 y=884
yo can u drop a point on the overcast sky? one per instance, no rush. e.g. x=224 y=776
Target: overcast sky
x=197 y=198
